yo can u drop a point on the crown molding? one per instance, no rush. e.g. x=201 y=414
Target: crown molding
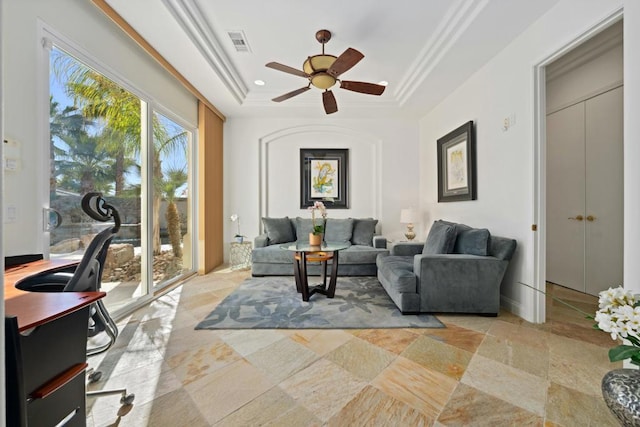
x=191 y=19
x=456 y=21
x=609 y=39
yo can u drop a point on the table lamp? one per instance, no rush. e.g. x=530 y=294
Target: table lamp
x=408 y=216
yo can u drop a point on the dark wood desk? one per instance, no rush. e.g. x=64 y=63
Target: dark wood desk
x=46 y=355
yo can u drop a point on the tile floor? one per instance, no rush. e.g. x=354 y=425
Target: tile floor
x=478 y=371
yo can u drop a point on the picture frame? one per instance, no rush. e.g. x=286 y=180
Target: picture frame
x=324 y=176
x=457 y=165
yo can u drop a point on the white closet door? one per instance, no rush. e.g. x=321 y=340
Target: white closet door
x=566 y=197
x=604 y=196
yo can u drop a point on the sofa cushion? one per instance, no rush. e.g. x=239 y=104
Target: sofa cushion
x=338 y=230
x=273 y=254
x=363 y=231
x=471 y=241
x=304 y=226
x=278 y=230
x=398 y=272
x=441 y=239
x=360 y=254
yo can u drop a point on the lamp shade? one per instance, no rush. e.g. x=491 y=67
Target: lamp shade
x=408 y=216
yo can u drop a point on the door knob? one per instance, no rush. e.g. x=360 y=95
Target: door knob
x=591 y=218
x=577 y=218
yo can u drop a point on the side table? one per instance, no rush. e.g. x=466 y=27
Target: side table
x=240 y=255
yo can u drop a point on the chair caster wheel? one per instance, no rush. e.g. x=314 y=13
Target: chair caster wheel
x=127 y=399
x=95 y=376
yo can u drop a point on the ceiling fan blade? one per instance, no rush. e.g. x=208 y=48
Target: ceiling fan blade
x=291 y=94
x=362 y=87
x=286 y=69
x=329 y=101
x=348 y=59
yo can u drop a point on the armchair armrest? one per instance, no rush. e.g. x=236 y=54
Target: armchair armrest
x=379 y=242
x=261 y=241
x=459 y=283
x=407 y=249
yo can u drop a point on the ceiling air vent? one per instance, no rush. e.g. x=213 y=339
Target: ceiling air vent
x=239 y=41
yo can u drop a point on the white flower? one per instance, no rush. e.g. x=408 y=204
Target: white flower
x=234 y=217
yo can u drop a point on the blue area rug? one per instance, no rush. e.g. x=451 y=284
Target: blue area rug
x=273 y=303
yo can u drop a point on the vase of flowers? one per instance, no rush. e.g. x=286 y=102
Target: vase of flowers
x=238 y=237
x=619 y=314
x=315 y=237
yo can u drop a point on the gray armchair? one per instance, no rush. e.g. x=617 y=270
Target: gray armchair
x=445 y=276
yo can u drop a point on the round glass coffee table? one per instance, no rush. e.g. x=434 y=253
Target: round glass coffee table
x=304 y=252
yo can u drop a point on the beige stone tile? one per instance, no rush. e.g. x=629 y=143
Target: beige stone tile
x=247 y=341
x=175 y=409
x=393 y=340
x=513 y=385
x=119 y=361
x=534 y=360
x=371 y=407
x=468 y=321
x=576 y=375
x=361 y=358
x=295 y=417
x=323 y=388
x=282 y=359
x=267 y=407
x=568 y=407
x=322 y=341
x=181 y=339
x=423 y=389
x=524 y=334
x=147 y=383
x=471 y=407
x=198 y=362
x=579 y=365
x=581 y=351
x=457 y=336
x=438 y=356
x=585 y=334
x=227 y=389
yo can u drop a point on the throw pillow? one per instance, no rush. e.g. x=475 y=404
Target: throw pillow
x=441 y=239
x=472 y=241
x=363 y=231
x=338 y=230
x=278 y=230
x=304 y=226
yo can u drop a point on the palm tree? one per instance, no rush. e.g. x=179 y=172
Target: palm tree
x=100 y=98
x=174 y=178
x=84 y=166
x=65 y=123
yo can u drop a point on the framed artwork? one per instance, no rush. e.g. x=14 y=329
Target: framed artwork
x=457 y=165
x=324 y=175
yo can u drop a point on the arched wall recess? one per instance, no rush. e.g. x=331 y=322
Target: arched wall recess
x=364 y=160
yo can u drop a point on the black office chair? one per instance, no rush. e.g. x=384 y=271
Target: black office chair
x=87 y=277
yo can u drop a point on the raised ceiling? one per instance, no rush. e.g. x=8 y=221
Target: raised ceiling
x=423 y=48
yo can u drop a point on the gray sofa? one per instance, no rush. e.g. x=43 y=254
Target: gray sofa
x=359 y=259
x=458 y=269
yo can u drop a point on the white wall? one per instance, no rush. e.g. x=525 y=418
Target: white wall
x=89 y=30
x=505 y=160
x=631 y=144
x=383 y=168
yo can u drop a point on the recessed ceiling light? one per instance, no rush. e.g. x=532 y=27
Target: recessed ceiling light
x=383 y=83
x=259 y=82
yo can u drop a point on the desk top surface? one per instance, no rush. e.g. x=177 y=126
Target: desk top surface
x=36 y=308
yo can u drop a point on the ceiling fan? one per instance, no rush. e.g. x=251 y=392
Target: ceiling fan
x=323 y=70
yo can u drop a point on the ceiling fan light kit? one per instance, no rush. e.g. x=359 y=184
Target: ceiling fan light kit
x=323 y=70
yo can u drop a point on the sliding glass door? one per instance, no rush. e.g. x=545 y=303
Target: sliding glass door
x=105 y=138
